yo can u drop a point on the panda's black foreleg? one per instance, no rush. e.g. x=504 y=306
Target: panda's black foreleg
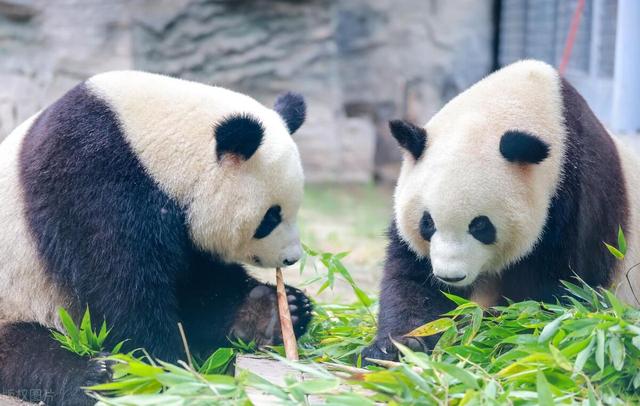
x=406 y=302
x=35 y=368
x=219 y=302
x=409 y=298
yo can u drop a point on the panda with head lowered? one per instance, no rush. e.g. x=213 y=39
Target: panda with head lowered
x=512 y=187
x=138 y=196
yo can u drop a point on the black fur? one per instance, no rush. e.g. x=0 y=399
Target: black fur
x=113 y=241
x=427 y=226
x=518 y=146
x=272 y=218
x=589 y=205
x=483 y=230
x=409 y=136
x=31 y=344
x=410 y=297
x=292 y=109
x=239 y=135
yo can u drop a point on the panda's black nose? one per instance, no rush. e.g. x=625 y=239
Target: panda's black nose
x=452 y=278
x=289 y=261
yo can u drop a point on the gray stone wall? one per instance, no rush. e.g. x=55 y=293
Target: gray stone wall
x=358 y=62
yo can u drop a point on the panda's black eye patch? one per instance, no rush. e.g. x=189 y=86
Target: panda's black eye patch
x=427 y=226
x=483 y=230
x=269 y=222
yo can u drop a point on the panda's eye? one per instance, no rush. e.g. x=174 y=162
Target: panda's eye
x=482 y=229
x=427 y=226
x=269 y=222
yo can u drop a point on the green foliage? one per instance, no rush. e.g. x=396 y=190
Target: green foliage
x=621 y=250
x=583 y=351
x=83 y=339
x=142 y=380
x=334 y=266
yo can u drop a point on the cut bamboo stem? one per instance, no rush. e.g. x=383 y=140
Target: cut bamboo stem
x=288 y=336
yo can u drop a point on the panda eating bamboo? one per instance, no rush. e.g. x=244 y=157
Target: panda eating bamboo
x=139 y=196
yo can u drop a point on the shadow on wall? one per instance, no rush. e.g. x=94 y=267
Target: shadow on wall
x=359 y=63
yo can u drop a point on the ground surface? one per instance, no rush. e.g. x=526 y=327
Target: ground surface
x=10 y=401
x=338 y=218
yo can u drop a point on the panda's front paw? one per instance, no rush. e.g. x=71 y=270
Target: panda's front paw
x=98 y=370
x=385 y=349
x=258 y=320
x=300 y=308
x=94 y=371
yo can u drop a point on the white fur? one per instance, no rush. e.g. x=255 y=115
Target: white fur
x=462 y=173
x=26 y=293
x=169 y=124
x=629 y=289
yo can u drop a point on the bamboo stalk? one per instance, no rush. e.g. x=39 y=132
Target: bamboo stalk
x=288 y=336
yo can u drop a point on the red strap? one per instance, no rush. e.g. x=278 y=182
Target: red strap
x=571 y=38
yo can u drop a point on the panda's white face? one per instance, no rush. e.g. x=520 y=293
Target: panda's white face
x=227 y=159
x=256 y=203
x=473 y=196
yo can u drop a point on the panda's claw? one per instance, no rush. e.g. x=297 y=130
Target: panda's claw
x=300 y=308
x=99 y=370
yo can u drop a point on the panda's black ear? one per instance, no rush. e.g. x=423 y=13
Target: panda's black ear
x=238 y=135
x=292 y=109
x=521 y=147
x=409 y=136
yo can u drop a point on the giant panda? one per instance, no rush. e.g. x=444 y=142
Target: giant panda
x=510 y=188
x=139 y=196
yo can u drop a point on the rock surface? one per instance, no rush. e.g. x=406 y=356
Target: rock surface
x=11 y=401
x=358 y=59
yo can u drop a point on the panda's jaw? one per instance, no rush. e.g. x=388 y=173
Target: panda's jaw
x=457 y=261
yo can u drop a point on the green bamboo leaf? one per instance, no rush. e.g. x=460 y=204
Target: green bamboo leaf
x=69 y=326
x=432 y=328
x=103 y=333
x=348 y=399
x=618 y=307
x=583 y=356
x=118 y=347
x=303 y=262
x=324 y=286
x=363 y=297
x=622 y=242
x=592 y=397
x=600 y=349
x=550 y=329
x=460 y=374
x=316 y=386
x=545 y=397
x=309 y=251
x=456 y=299
x=636 y=381
x=614 y=251
x=616 y=352
x=217 y=361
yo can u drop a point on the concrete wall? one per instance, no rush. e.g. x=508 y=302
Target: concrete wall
x=358 y=62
